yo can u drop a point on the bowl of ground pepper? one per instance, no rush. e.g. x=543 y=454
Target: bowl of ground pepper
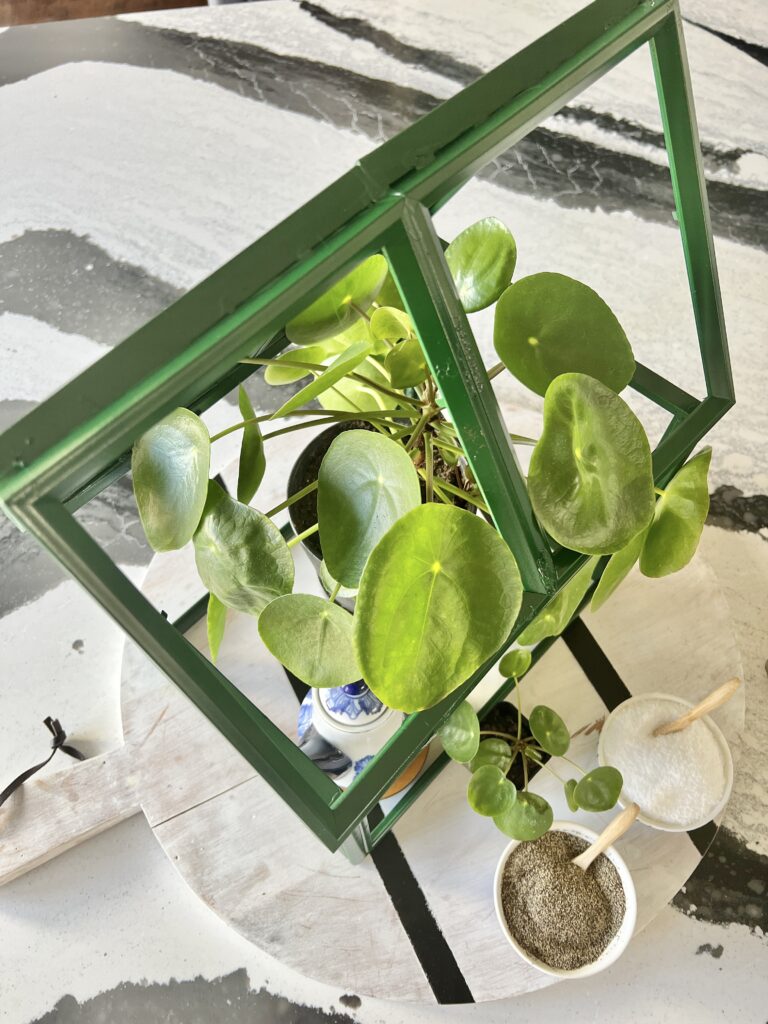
x=564 y=921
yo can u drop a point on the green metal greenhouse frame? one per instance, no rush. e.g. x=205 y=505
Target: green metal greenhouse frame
x=78 y=442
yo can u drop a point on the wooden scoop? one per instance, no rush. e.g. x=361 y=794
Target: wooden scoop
x=714 y=700
x=615 y=830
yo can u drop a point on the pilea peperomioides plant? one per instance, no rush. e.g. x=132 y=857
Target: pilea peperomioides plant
x=437 y=589
x=521 y=814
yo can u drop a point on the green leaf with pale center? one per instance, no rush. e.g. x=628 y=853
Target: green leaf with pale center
x=482 y=260
x=494 y=751
x=216 y=622
x=253 y=461
x=312 y=638
x=548 y=324
x=490 y=792
x=343 y=364
x=599 y=789
x=515 y=664
x=549 y=730
x=390 y=324
x=284 y=372
x=618 y=568
x=241 y=555
x=365 y=484
x=590 y=480
x=335 y=310
x=678 y=520
x=170 y=466
x=529 y=817
x=406 y=364
x=460 y=735
x=438 y=597
x=556 y=615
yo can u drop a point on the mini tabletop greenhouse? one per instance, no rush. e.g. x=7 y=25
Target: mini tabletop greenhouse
x=80 y=441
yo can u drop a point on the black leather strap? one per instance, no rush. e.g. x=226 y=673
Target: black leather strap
x=59 y=742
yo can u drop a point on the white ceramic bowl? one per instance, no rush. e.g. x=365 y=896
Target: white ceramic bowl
x=620 y=940
x=683 y=706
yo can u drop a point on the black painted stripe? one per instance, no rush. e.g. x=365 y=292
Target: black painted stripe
x=595 y=664
x=429 y=944
x=702 y=837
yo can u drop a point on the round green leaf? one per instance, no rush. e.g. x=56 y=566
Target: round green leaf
x=560 y=610
x=570 y=789
x=599 y=789
x=241 y=555
x=284 y=372
x=390 y=324
x=678 y=520
x=253 y=461
x=312 y=637
x=515 y=663
x=460 y=735
x=529 y=817
x=170 y=465
x=590 y=479
x=495 y=751
x=365 y=484
x=335 y=311
x=549 y=730
x=490 y=792
x=482 y=260
x=617 y=569
x=346 y=362
x=548 y=324
x=329 y=583
x=216 y=623
x=390 y=294
x=438 y=597
x=406 y=364
x=348 y=395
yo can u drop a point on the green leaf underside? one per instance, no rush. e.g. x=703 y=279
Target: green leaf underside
x=388 y=323
x=515 y=663
x=678 y=520
x=334 y=311
x=390 y=294
x=252 y=459
x=365 y=484
x=216 y=622
x=590 y=480
x=494 y=751
x=343 y=364
x=570 y=789
x=285 y=373
x=618 y=568
x=349 y=395
x=438 y=597
x=482 y=260
x=560 y=610
x=241 y=555
x=549 y=324
x=529 y=817
x=549 y=730
x=406 y=364
x=460 y=735
x=599 y=789
x=311 y=637
x=170 y=466
x=490 y=792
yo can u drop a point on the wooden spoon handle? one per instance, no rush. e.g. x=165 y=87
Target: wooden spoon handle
x=714 y=700
x=613 y=831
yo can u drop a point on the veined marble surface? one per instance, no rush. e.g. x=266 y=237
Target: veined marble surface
x=137 y=154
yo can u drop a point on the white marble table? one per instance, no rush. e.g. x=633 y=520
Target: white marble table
x=137 y=154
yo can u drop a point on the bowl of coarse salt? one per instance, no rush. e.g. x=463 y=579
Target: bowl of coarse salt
x=681 y=780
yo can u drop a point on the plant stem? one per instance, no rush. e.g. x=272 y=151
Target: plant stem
x=493 y=732
x=551 y=771
x=452 y=448
x=573 y=764
x=429 y=490
x=338 y=414
x=334 y=593
x=660 y=491
x=495 y=370
x=360 y=312
x=522 y=439
x=319 y=368
x=324 y=422
x=415 y=437
x=466 y=495
x=290 y=500
x=519 y=710
x=439 y=493
x=303 y=536
x=525 y=774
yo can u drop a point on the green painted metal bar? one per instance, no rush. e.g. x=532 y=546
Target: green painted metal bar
x=673 y=84
x=670 y=397
x=418 y=265
x=682 y=436
x=274 y=756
